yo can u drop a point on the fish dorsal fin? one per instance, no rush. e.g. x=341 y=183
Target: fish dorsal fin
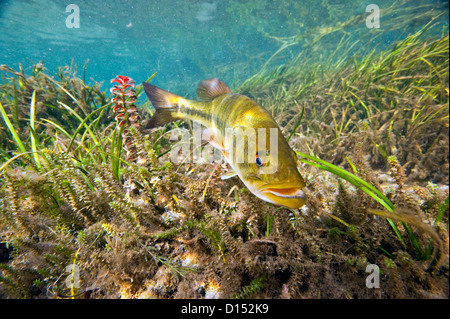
x=209 y=89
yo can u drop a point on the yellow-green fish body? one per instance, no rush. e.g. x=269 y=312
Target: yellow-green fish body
x=244 y=131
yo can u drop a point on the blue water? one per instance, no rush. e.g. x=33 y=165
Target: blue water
x=186 y=41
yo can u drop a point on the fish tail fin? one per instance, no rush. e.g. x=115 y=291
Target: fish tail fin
x=166 y=105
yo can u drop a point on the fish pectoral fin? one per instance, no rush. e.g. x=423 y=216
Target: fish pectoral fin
x=209 y=89
x=228 y=175
x=213 y=138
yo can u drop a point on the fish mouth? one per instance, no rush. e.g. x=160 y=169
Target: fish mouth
x=289 y=192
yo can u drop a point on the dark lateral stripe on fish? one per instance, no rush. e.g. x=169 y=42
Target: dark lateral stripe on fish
x=219 y=109
x=228 y=109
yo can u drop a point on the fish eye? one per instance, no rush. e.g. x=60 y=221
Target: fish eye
x=258 y=161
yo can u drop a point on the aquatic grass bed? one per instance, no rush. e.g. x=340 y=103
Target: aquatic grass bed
x=396 y=100
x=138 y=226
x=421 y=254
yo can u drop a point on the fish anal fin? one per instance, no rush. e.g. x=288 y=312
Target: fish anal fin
x=209 y=89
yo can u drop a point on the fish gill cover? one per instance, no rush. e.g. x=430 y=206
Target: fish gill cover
x=92 y=205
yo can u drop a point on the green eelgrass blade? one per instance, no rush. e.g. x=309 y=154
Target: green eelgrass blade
x=351 y=164
x=351 y=178
x=356 y=181
x=116 y=149
x=62 y=88
x=385 y=251
x=296 y=125
x=418 y=251
x=90 y=149
x=118 y=159
x=396 y=231
x=441 y=211
x=164 y=153
x=33 y=137
x=59 y=127
x=97 y=120
x=12 y=159
x=34 y=144
x=83 y=124
x=96 y=144
x=140 y=89
x=12 y=130
x=15 y=110
x=269 y=224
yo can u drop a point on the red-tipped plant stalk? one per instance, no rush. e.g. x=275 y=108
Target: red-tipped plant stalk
x=126 y=112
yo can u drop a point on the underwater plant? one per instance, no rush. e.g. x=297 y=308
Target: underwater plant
x=124 y=101
x=127 y=116
x=83 y=185
x=381 y=123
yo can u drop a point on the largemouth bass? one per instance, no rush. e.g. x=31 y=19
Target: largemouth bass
x=241 y=129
